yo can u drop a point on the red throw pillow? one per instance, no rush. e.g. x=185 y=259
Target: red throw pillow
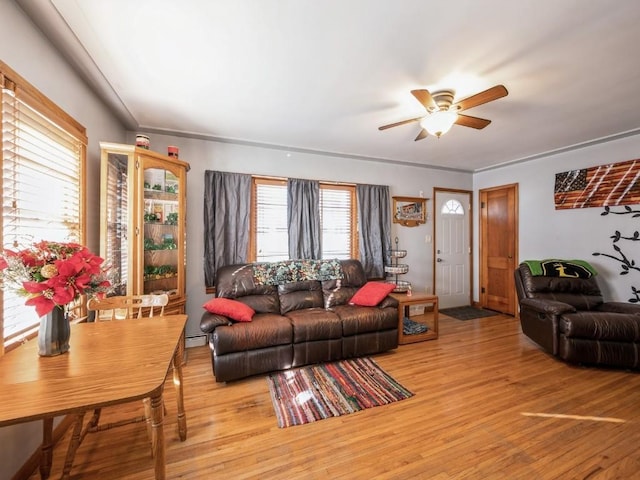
x=233 y=309
x=371 y=294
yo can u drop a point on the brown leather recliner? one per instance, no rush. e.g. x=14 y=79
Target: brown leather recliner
x=569 y=318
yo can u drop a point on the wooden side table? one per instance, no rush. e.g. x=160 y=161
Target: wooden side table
x=428 y=316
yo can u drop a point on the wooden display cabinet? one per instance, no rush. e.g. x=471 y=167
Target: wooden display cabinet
x=142 y=221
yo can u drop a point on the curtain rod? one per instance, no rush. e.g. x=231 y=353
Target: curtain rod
x=284 y=179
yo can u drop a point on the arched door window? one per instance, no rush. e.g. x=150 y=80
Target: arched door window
x=452 y=207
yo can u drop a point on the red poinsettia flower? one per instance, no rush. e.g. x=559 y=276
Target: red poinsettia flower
x=46 y=296
x=53 y=274
x=90 y=262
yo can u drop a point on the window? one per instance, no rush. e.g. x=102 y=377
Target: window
x=269 y=219
x=452 y=207
x=269 y=238
x=43 y=154
x=338 y=220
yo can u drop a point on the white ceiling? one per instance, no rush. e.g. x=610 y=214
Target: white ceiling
x=322 y=75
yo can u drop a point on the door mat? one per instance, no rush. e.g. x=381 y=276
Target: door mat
x=467 y=313
x=316 y=392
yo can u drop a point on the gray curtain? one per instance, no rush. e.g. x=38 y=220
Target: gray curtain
x=227 y=202
x=303 y=219
x=374 y=220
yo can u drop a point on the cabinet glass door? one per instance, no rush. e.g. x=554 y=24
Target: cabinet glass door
x=115 y=246
x=161 y=233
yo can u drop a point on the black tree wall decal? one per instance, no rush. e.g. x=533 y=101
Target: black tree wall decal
x=627 y=264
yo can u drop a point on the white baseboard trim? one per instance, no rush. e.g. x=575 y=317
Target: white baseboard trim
x=198 y=341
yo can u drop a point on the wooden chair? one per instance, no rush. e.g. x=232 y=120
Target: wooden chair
x=119 y=308
x=132 y=306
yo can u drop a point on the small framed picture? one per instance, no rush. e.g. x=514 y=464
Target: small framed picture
x=409 y=211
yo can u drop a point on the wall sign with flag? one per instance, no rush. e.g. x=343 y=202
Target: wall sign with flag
x=604 y=185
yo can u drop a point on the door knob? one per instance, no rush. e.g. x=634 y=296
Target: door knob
x=438 y=259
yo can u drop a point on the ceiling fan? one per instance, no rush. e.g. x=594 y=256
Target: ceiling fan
x=442 y=113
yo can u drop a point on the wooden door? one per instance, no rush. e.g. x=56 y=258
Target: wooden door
x=498 y=247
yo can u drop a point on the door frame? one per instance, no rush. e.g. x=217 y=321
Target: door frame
x=434 y=233
x=514 y=187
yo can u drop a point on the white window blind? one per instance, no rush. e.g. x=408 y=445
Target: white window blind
x=41 y=191
x=336 y=207
x=272 y=238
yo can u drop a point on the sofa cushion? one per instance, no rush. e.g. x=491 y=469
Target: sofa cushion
x=238 y=282
x=266 y=330
x=233 y=309
x=340 y=291
x=300 y=295
x=314 y=324
x=357 y=320
x=371 y=294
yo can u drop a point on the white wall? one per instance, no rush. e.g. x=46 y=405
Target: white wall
x=545 y=232
x=210 y=155
x=26 y=51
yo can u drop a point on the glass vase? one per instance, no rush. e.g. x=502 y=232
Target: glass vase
x=54 y=332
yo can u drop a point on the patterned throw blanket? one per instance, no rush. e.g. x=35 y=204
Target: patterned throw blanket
x=289 y=271
x=554 y=267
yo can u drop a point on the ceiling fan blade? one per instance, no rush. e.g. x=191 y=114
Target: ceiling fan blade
x=488 y=95
x=425 y=98
x=397 y=124
x=473 y=122
x=423 y=134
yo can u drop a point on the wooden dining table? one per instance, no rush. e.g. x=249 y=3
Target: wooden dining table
x=109 y=363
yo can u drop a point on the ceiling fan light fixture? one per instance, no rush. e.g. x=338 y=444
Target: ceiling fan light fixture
x=439 y=122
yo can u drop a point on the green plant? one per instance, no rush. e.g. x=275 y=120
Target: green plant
x=150 y=217
x=156 y=272
x=158 y=187
x=172 y=219
x=168 y=243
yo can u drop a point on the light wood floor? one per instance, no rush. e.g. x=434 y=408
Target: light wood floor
x=488 y=404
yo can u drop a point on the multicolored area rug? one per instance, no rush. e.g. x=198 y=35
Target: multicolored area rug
x=317 y=392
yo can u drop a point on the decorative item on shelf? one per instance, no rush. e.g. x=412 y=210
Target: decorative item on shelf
x=159 y=272
x=142 y=141
x=172 y=218
x=173 y=151
x=168 y=242
x=53 y=275
x=151 y=217
x=409 y=211
x=396 y=269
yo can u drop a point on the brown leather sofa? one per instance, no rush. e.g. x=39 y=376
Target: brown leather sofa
x=295 y=323
x=569 y=318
